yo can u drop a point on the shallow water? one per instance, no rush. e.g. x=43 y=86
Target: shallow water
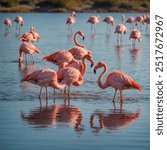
x=91 y=120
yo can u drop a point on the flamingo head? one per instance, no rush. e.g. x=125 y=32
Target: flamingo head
x=22 y=23
x=98 y=17
x=81 y=34
x=99 y=65
x=73 y=14
x=32 y=29
x=89 y=58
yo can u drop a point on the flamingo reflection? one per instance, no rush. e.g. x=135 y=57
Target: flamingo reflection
x=114 y=119
x=55 y=115
x=135 y=54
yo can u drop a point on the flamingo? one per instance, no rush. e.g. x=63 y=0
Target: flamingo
x=147 y=20
x=70 y=76
x=135 y=34
x=93 y=20
x=131 y=20
x=81 y=66
x=71 y=20
x=79 y=50
x=31 y=36
x=109 y=20
x=123 y=18
x=139 y=19
x=120 y=29
x=7 y=23
x=116 y=79
x=44 y=78
x=27 y=48
x=19 y=20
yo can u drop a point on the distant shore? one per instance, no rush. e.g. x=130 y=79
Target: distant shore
x=27 y=6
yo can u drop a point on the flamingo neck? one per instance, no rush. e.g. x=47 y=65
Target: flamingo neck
x=101 y=85
x=76 y=42
x=84 y=67
x=57 y=85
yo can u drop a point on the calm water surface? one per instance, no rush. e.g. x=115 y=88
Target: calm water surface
x=90 y=120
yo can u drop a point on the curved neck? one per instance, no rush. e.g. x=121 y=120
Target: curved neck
x=84 y=67
x=101 y=85
x=76 y=42
x=57 y=85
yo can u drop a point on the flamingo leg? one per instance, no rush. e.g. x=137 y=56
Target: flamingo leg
x=69 y=93
x=33 y=58
x=46 y=93
x=114 y=95
x=40 y=93
x=117 y=38
x=121 y=38
x=121 y=96
x=65 y=90
x=54 y=91
x=26 y=58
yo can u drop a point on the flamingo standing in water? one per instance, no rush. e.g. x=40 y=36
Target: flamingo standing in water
x=19 y=20
x=93 y=20
x=31 y=36
x=131 y=20
x=44 y=78
x=7 y=23
x=123 y=18
x=109 y=20
x=116 y=79
x=27 y=48
x=71 y=20
x=70 y=76
x=120 y=29
x=139 y=19
x=79 y=50
x=135 y=34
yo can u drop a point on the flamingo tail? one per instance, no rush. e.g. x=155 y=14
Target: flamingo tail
x=46 y=58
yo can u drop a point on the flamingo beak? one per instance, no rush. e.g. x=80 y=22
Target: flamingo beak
x=92 y=63
x=94 y=71
x=83 y=37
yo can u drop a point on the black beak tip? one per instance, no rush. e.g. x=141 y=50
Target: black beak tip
x=83 y=38
x=91 y=65
x=94 y=71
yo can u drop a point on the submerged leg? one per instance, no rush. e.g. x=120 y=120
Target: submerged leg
x=46 y=93
x=40 y=93
x=114 y=95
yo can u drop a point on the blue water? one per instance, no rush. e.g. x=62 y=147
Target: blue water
x=90 y=120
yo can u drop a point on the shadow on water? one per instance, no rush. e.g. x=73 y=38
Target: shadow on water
x=55 y=115
x=114 y=119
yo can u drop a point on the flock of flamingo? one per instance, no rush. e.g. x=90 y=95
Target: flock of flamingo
x=72 y=62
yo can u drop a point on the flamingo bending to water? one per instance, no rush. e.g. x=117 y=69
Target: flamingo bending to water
x=93 y=20
x=131 y=20
x=135 y=34
x=19 y=20
x=44 y=78
x=120 y=29
x=116 y=79
x=7 y=23
x=27 y=48
x=71 y=20
x=109 y=20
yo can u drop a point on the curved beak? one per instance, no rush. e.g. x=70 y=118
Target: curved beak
x=94 y=71
x=83 y=37
x=92 y=63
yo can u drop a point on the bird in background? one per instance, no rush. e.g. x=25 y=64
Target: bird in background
x=109 y=20
x=131 y=21
x=44 y=78
x=93 y=20
x=123 y=19
x=19 y=22
x=117 y=80
x=140 y=20
x=135 y=35
x=71 y=20
x=7 y=23
x=31 y=36
x=119 y=30
x=28 y=49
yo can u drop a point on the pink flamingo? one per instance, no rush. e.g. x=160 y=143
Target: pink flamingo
x=116 y=79
x=27 y=48
x=19 y=20
x=109 y=20
x=79 y=50
x=7 y=23
x=31 y=36
x=123 y=18
x=139 y=19
x=71 y=20
x=120 y=29
x=146 y=20
x=135 y=34
x=44 y=78
x=81 y=66
x=70 y=76
x=131 y=20
x=93 y=20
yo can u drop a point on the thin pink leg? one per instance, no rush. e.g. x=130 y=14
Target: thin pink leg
x=114 y=95
x=46 y=93
x=69 y=94
x=40 y=93
x=121 y=96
